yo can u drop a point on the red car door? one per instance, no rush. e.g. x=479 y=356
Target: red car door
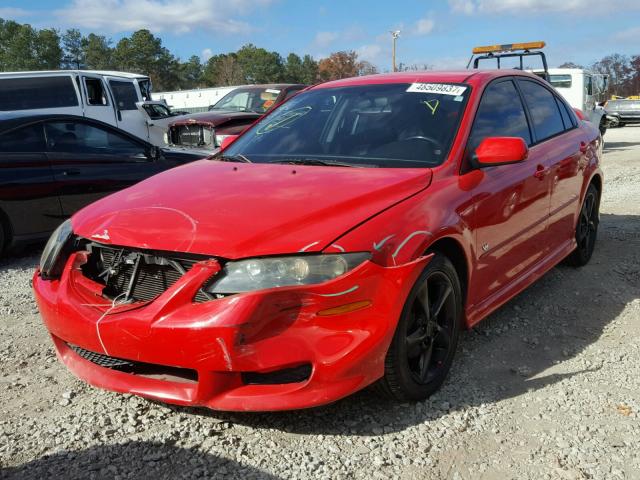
x=556 y=133
x=511 y=201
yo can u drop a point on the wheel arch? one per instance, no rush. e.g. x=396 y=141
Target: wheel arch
x=597 y=182
x=455 y=252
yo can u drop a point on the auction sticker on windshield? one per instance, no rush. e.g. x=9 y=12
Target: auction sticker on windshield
x=442 y=88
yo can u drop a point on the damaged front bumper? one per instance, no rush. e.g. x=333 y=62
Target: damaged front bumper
x=278 y=349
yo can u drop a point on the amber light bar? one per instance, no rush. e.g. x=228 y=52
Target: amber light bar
x=508 y=47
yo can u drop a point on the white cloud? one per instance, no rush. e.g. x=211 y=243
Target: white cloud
x=629 y=35
x=324 y=39
x=370 y=53
x=160 y=15
x=10 y=12
x=524 y=7
x=424 y=26
x=462 y=6
x=206 y=54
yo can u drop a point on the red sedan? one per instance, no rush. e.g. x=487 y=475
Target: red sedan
x=343 y=240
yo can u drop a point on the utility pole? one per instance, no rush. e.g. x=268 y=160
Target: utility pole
x=394 y=36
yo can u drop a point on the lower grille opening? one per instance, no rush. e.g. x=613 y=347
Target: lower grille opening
x=149 y=370
x=297 y=374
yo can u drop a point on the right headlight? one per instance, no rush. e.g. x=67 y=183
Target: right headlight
x=261 y=273
x=56 y=251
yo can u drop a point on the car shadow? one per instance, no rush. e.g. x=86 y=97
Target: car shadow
x=140 y=460
x=507 y=355
x=619 y=146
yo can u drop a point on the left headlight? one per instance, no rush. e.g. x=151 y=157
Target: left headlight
x=56 y=251
x=261 y=273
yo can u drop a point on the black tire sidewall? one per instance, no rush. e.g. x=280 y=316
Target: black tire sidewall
x=408 y=388
x=579 y=258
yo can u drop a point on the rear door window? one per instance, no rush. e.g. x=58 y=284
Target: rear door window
x=29 y=93
x=82 y=138
x=125 y=94
x=500 y=114
x=544 y=110
x=23 y=140
x=567 y=119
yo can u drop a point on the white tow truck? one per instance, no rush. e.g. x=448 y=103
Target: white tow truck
x=583 y=89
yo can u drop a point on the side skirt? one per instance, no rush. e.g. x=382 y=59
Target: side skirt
x=477 y=312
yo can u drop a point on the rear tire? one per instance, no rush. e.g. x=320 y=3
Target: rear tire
x=586 y=229
x=426 y=337
x=603 y=126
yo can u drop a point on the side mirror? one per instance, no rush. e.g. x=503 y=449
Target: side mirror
x=228 y=140
x=154 y=152
x=494 y=151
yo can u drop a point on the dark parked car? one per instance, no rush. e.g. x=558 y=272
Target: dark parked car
x=622 y=112
x=53 y=165
x=230 y=116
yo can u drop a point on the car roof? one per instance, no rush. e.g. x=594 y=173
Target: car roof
x=14 y=120
x=272 y=85
x=10 y=120
x=66 y=72
x=473 y=77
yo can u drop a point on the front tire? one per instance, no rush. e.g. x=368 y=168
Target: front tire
x=426 y=337
x=586 y=229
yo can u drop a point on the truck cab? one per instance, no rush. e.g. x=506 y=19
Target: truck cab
x=584 y=90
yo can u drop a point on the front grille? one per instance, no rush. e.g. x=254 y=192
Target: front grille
x=129 y=275
x=192 y=135
x=150 y=370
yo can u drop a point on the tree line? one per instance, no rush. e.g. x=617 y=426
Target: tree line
x=23 y=47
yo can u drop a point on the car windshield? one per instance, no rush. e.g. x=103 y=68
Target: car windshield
x=257 y=100
x=388 y=125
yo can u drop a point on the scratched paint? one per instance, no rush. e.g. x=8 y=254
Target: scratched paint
x=406 y=240
x=304 y=249
x=225 y=353
x=352 y=289
x=378 y=246
x=114 y=304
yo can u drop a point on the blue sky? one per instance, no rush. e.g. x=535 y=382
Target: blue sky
x=440 y=33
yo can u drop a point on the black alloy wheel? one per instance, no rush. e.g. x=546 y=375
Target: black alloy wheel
x=425 y=341
x=586 y=229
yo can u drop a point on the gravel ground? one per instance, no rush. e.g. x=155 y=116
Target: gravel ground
x=547 y=387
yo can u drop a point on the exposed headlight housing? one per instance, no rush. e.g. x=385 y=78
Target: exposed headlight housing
x=261 y=273
x=56 y=251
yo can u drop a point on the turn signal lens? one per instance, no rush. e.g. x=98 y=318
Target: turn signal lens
x=349 y=307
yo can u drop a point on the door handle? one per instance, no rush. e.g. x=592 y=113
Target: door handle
x=541 y=172
x=70 y=173
x=583 y=147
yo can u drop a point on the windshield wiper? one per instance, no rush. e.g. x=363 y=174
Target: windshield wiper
x=238 y=158
x=316 y=161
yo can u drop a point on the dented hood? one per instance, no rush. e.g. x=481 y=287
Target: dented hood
x=215 y=118
x=235 y=210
